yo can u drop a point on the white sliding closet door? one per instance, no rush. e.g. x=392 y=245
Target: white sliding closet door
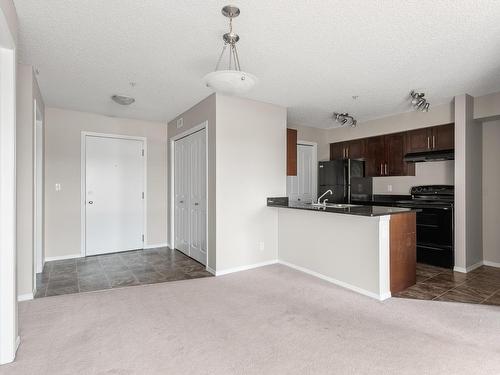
x=190 y=195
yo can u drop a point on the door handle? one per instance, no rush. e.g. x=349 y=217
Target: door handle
x=386 y=169
x=196 y=203
x=433 y=141
x=91 y=202
x=181 y=201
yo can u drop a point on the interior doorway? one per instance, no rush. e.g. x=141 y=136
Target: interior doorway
x=113 y=193
x=303 y=187
x=189 y=194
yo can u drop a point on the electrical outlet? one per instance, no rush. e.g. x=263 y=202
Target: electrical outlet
x=58 y=187
x=261 y=246
x=389 y=188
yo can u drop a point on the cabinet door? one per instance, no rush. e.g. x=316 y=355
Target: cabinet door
x=443 y=137
x=291 y=152
x=419 y=140
x=355 y=149
x=374 y=156
x=337 y=151
x=395 y=149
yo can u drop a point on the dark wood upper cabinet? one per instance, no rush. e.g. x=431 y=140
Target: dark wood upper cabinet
x=355 y=149
x=443 y=137
x=418 y=140
x=337 y=151
x=435 y=138
x=395 y=150
x=291 y=152
x=374 y=156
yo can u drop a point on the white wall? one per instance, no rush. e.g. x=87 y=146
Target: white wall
x=250 y=166
x=62 y=165
x=310 y=134
x=27 y=92
x=491 y=188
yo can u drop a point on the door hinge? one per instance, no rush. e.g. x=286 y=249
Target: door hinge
x=143 y=238
x=142 y=152
x=142 y=195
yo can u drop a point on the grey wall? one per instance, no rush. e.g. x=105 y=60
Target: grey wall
x=491 y=188
x=201 y=112
x=27 y=92
x=63 y=166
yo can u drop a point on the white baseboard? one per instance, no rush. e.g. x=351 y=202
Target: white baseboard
x=25 y=297
x=491 y=264
x=63 y=257
x=156 y=245
x=209 y=269
x=468 y=269
x=244 y=268
x=337 y=282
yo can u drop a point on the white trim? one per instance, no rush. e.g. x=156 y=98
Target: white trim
x=468 y=269
x=24 y=297
x=85 y=134
x=63 y=257
x=314 y=167
x=359 y=290
x=491 y=264
x=188 y=132
x=8 y=273
x=245 y=268
x=156 y=245
x=384 y=256
x=210 y=269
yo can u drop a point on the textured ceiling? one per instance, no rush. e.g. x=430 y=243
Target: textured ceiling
x=310 y=56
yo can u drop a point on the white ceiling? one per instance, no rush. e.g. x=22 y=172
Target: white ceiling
x=310 y=56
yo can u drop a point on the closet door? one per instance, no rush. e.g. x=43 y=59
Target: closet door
x=197 y=197
x=305 y=172
x=181 y=195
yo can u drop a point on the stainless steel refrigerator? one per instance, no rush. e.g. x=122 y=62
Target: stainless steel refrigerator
x=341 y=176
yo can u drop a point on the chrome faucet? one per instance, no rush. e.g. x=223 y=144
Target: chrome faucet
x=322 y=195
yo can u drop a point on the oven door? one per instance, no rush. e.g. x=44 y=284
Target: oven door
x=434 y=235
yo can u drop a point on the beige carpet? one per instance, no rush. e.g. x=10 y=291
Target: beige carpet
x=271 y=320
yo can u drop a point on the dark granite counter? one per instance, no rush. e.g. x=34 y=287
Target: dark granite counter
x=359 y=210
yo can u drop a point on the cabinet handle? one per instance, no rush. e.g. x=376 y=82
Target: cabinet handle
x=386 y=169
x=428 y=142
x=347 y=152
x=381 y=170
x=433 y=141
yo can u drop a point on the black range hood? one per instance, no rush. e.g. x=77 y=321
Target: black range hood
x=418 y=157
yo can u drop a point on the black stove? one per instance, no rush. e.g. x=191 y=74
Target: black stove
x=434 y=223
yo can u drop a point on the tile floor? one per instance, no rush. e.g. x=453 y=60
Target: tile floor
x=440 y=284
x=116 y=270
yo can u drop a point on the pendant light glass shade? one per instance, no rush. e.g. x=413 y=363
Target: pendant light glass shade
x=232 y=80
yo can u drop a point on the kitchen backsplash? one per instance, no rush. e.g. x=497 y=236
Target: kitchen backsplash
x=431 y=173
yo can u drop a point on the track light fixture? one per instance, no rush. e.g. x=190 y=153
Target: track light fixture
x=419 y=102
x=344 y=119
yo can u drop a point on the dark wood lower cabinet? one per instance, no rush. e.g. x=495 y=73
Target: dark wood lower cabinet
x=403 y=251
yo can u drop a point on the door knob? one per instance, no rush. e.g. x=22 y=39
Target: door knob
x=196 y=204
x=91 y=202
x=181 y=201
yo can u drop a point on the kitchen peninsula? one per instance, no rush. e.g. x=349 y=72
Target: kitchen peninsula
x=368 y=249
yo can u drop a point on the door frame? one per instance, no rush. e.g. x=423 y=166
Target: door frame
x=38 y=248
x=83 y=190
x=187 y=133
x=314 y=166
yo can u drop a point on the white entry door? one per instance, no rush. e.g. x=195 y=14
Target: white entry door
x=190 y=195
x=114 y=188
x=301 y=187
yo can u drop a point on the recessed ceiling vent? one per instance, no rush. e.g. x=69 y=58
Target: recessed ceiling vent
x=123 y=100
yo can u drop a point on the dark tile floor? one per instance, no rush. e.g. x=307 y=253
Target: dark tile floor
x=440 y=284
x=116 y=270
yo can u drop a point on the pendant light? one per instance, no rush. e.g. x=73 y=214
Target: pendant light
x=228 y=78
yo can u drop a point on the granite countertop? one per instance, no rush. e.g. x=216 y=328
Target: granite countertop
x=283 y=202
